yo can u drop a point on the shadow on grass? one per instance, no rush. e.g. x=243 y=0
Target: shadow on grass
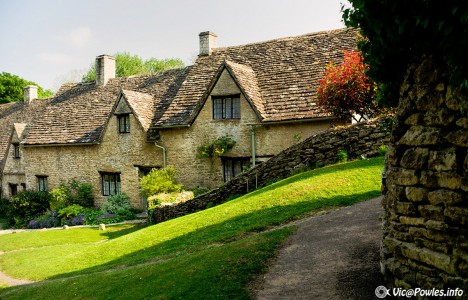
x=118 y=233
x=227 y=231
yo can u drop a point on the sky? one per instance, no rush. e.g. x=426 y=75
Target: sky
x=52 y=42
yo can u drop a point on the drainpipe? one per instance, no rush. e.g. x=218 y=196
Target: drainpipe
x=164 y=154
x=252 y=129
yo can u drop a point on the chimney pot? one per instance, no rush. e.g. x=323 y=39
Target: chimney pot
x=208 y=41
x=30 y=93
x=105 y=69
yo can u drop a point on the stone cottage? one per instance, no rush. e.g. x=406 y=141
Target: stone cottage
x=113 y=131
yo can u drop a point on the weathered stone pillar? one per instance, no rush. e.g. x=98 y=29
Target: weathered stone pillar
x=425 y=226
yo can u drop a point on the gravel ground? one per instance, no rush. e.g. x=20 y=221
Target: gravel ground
x=333 y=256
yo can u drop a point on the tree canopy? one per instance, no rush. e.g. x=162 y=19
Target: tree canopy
x=127 y=65
x=396 y=32
x=12 y=88
x=346 y=91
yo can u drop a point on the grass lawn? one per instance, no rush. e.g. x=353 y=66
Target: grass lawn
x=192 y=245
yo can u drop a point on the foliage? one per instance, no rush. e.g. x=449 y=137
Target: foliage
x=72 y=192
x=346 y=91
x=382 y=150
x=48 y=220
x=5 y=208
x=71 y=211
x=215 y=148
x=160 y=181
x=397 y=32
x=156 y=200
x=27 y=205
x=116 y=203
x=127 y=65
x=282 y=202
x=12 y=88
x=341 y=156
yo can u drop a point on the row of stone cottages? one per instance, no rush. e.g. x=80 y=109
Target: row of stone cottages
x=112 y=131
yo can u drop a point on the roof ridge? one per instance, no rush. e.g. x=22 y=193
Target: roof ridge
x=318 y=33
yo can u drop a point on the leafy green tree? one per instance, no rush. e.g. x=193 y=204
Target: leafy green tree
x=127 y=65
x=12 y=86
x=396 y=32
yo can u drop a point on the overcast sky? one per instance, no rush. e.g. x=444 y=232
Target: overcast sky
x=50 y=41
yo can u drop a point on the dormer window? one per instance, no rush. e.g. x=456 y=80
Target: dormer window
x=16 y=151
x=226 y=107
x=124 y=123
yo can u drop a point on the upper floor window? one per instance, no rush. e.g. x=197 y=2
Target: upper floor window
x=42 y=183
x=227 y=107
x=124 y=123
x=110 y=183
x=16 y=151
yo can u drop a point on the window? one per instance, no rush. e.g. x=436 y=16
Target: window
x=124 y=123
x=234 y=166
x=13 y=189
x=226 y=107
x=110 y=183
x=42 y=183
x=16 y=151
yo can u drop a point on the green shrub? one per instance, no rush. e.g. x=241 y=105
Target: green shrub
x=71 y=211
x=5 y=208
x=342 y=156
x=27 y=205
x=72 y=192
x=160 y=181
x=156 y=200
x=116 y=203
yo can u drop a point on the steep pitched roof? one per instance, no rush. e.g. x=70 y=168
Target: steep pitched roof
x=18 y=112
x=279 y=77
x=78 y=114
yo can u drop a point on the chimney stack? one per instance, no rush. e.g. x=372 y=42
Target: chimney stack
x=30 y=93
x=207 y=42
x=105 y=69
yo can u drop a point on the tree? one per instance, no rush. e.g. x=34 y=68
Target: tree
x=346 y=91
x=397 y=32
x=127 y=65
x=12 y=86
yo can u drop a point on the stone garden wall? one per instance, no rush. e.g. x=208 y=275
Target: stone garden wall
x=425 y=240
x=320 y=149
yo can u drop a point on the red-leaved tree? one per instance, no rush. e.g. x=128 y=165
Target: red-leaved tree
x=346 y=91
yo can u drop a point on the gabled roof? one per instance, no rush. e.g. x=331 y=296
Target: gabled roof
x=142 y=106
x=18 y=112
x=279 y=77
x=78 y=114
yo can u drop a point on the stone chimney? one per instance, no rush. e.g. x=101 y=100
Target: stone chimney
x=207 y=42
x=30 y=93
x=105 y=69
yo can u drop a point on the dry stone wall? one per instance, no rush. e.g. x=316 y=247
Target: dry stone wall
x=425 y=240
x=358 y=140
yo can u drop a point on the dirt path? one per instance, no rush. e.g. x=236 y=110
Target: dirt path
x=12 y=281
x=333 y=256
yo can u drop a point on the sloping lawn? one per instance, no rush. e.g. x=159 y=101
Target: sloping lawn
x=193 y=236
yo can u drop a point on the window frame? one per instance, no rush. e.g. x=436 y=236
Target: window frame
x=42 y=183
x=13 y=189
x=124 y=127
x=229 y=166
x=111 y=186
x=226 y=107
x=16 y=151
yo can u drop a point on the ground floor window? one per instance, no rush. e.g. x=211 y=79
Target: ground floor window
x=110 y=183
x=233 y=166
x=13 y=189
x=42 y=183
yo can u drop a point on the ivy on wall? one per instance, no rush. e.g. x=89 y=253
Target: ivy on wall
x=396 y=32
x=216 y=147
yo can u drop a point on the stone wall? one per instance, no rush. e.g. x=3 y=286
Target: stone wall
x=358 y=140
x=425 y=240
